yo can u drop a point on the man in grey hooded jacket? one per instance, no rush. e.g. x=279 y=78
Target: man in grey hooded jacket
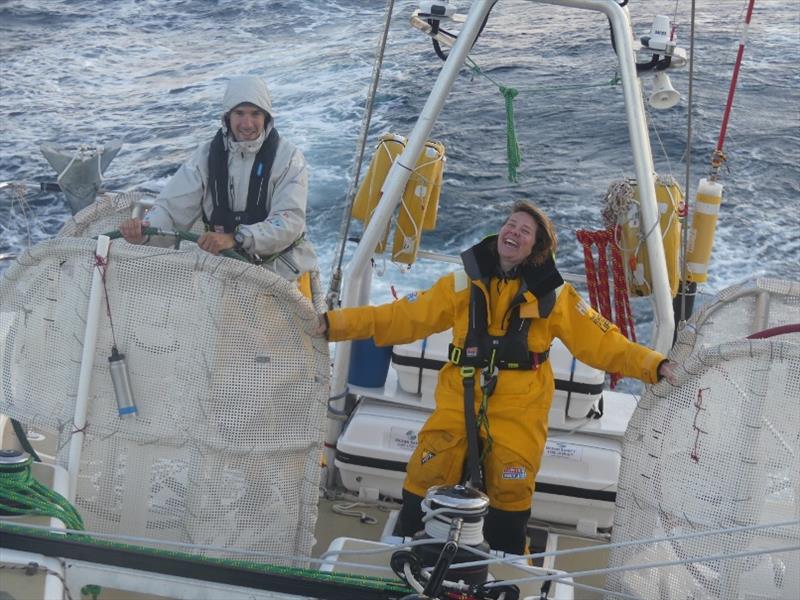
x=249 y=186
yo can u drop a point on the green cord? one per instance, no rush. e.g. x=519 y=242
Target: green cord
x=365 y=581
x=512 y=146
x=193 y=237
x=482 y=421
x=21 y=494
x=91 y=590
x=178 y=235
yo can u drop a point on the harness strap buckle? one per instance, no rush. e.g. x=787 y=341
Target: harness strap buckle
x=455 y=354
x=538 y=358
x=467 y=372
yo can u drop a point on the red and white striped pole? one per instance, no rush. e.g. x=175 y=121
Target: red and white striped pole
x=719 y=156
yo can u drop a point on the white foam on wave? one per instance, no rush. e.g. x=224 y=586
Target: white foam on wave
x=156 y=77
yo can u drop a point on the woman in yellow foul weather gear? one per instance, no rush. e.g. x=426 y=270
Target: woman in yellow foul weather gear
x=519 y=303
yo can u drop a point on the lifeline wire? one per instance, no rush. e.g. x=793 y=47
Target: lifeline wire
x=688 y=159
x=336 y=275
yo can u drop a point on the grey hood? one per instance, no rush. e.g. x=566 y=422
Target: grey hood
x=248 y=88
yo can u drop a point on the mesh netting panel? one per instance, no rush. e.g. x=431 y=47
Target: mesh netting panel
x=721 y=450
x=105 y=214
x=738 y=312
x=231 y=391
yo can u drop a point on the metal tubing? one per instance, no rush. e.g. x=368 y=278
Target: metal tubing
x=93 y=314
x=393 y=187
x=762 y=312
x=643 y=162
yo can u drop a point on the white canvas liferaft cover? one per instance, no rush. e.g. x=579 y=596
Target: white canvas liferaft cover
x=231 y=390
x=720 y=451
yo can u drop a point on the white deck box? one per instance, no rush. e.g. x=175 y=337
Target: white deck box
x=576 y=484
x=375 y=445
x=579 y=387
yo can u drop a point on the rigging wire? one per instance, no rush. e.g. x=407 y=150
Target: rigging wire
x=652 y=125
x=685 y=286
x=335 y=286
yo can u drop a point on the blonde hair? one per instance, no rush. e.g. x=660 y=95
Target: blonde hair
x=546 y=241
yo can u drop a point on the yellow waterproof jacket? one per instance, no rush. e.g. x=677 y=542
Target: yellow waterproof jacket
x=518 y=408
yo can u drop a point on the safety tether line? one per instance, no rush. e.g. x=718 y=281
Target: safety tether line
x=684 y=215
x=335 y=287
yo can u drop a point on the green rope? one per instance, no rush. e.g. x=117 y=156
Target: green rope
x=193 y=237
x=178 y=235
x=482 y=421
x=21 y=494
x=512 y=146
x=91 y=590
x=613 y=82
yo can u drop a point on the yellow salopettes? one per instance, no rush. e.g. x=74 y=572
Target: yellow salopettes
x=518 y=408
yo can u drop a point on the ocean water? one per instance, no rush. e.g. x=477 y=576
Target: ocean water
x=153 y=73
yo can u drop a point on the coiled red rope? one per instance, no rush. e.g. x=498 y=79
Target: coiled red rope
x=597 y=280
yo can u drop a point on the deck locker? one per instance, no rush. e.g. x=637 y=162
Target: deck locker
x=576 y=484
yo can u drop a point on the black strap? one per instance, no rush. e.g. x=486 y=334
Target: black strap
x=509 y=351
x=455 y=355
x=421 y=366
x=177 y=564
x=19 y=431
x=257 y=208
x=473 y=475
x=569 y=387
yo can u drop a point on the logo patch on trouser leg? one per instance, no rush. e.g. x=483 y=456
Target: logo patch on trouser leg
x=426 y=456
x=514 y=473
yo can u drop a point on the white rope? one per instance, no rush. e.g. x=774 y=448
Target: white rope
x=347 y=509
x=408 y=240
x=32 y=568
x=437 y=524
x=642 y=542
x=411 y=580
x=651 y=122
x=616 y=203
x=655 y=565
x=471 y=533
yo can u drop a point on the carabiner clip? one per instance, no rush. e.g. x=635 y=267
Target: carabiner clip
x=489 y=380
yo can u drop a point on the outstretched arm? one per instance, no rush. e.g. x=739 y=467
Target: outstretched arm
x=597 y=342
x=413 y=317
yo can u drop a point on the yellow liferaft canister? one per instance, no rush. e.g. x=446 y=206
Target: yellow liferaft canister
x=420 y=203
x=701 y=233
x=634 y=249
x=390 y=146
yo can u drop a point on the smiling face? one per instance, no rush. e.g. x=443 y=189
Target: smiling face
x=515 y=240
x=246 y=121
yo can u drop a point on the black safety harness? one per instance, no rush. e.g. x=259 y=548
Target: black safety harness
x=222 y=218
x=488 y=353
